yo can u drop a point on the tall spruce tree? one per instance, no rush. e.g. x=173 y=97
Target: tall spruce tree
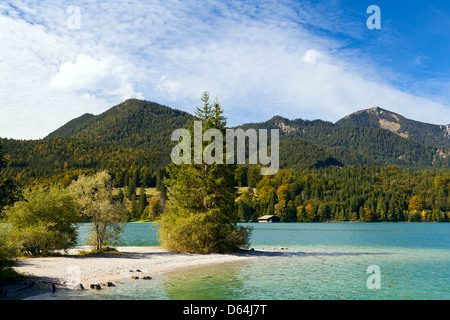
x=201 y=212
x=9 y=192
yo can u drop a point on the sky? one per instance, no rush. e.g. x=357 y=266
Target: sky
x=297 y=59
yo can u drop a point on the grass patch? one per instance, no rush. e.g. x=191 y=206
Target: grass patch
x=109 y=250
x=8 y=275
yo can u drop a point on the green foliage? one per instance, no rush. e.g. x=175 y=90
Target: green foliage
x=201 y=213
x=44 y=221
x=297 y=153
x=62 y=160
x=134 y=123
x=94 y=194
x=9 y=193
x=201 y=232
x=1 y=155
x=72 y=127
x=8 y=252
x=154 y=210
x=320 y=144
x=424 y=133
x=132 y=142
x=142 y=202
x=333 y=170
x=109 y=250
x=351 y=194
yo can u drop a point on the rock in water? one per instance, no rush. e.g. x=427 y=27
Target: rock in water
x=79 y=287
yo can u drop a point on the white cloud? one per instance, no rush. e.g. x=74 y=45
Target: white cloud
x=259 y=62
x=106 y=76
x=50 y=77
x=311 y=56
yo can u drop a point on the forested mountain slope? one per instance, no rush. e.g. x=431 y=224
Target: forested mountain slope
x=134 y=136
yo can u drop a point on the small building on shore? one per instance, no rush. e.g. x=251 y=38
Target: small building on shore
x=269 y=218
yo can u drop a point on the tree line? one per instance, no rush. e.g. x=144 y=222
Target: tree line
x=350 y=194
x=62 y=160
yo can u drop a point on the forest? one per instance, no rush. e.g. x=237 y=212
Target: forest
x=62 y=160
x=354 y=193
x=312 y=191
x=351 y=170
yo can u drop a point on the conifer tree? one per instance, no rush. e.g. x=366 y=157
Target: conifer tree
x=201 y=212
x=142 y=202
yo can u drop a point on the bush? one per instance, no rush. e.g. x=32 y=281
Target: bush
x=201 y=233
x=7 y=254
x=44 y=221
x=414 y=216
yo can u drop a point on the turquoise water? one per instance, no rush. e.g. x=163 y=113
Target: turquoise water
x=134 y=235
x=326 y=261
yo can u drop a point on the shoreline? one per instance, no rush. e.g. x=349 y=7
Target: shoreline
x=41 y=274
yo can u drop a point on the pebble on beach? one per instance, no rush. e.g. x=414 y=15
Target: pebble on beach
x=95 y=286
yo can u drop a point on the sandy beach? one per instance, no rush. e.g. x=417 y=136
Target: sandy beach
x=65 y=271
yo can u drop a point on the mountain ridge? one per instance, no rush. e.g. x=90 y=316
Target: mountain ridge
x=373 y=136
x=133 y=123
x=370 y=137
x=425 y=133
x=374 y=117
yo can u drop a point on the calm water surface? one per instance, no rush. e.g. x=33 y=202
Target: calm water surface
x=325 y=261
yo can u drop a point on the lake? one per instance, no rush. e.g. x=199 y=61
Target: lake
x=326 y=261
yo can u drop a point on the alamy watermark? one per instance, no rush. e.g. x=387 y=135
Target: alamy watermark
x=74 y=20
x=374 y=21
x=74 y=276
x=213 y=153
x=374 y=280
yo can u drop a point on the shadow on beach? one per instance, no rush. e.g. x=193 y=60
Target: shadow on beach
x=240 y=253
x=29 y=286
x=282 y=252
x=287 y=253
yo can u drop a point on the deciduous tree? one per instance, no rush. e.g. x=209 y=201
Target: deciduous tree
x=44 y=221
x=95 y=196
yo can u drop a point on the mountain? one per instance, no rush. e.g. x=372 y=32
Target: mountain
x=424 y=133
x=148 y=125
x=71 y=127
x=133 y=123
x=132 y=140
x=357 y=144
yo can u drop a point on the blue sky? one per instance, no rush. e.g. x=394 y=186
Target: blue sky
x=297 y=59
